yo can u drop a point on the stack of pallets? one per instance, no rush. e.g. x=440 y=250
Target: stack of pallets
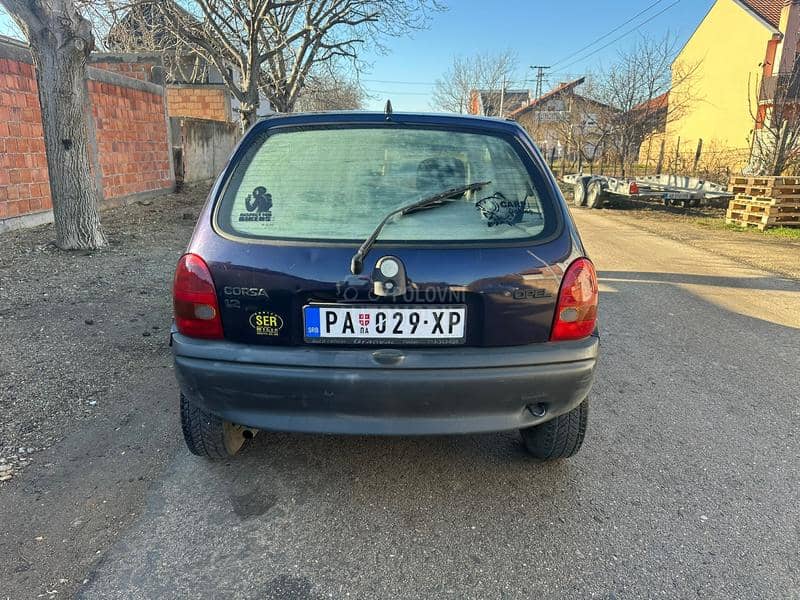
x=764 y=202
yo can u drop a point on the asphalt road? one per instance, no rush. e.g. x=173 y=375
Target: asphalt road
x=687 y=485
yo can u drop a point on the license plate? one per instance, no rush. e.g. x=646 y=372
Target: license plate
x=382 y=324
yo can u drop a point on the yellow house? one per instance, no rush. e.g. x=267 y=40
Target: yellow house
x=717 y=74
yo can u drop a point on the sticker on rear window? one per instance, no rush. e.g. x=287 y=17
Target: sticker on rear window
x=499 y=210
x=259 y=207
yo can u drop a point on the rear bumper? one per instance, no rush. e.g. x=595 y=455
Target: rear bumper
x=391 y=392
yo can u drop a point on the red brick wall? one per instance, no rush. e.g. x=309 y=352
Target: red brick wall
x=24 y=185
x=198 y=102
x=132 y=141
x=140 y=71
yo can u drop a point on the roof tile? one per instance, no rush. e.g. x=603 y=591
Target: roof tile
x=769 y=10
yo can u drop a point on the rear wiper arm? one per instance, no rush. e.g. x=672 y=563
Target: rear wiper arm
x=357 y=262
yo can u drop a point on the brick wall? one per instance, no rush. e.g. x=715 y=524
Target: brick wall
x=144 y=67
x=132 y=142
x=199 y=101
x=24 y=184
x=140 y=71
x=131 y=130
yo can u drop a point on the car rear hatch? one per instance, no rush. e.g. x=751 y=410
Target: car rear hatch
x=296 y=203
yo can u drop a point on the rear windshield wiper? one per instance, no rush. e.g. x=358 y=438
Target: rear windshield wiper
x=357 y=262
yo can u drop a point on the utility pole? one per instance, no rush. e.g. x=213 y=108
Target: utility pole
x=539 y=78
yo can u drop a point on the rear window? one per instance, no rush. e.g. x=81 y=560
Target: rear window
x=337 y=184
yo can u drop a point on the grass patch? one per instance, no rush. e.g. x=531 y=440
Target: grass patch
x=786 y=233
x=791 y=233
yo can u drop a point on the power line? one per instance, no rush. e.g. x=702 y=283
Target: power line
x=602 y=37
x=400 y=82
x=371 y=91
x=626 y=34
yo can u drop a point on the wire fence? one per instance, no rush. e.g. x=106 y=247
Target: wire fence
x=717 y=165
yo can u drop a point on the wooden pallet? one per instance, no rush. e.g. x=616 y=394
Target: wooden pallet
x=763 y=212
x=772 y=187
x=766 y=181
x=792 y=193
x=763 y=207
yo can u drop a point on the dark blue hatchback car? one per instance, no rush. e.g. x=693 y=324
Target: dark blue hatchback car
x=400 y=274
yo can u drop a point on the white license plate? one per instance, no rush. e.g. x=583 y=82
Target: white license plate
x=376 y=324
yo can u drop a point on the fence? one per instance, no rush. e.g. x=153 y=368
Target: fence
x=659 y=156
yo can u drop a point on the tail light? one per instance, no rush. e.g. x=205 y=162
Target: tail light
x=195 y=299
x=634 y=188
x=576 y=312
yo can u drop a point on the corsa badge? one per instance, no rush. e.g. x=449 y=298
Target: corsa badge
x=266 y=323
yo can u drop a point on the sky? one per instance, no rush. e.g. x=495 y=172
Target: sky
x=540 y=32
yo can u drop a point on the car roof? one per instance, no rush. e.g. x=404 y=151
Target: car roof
x=380 y=118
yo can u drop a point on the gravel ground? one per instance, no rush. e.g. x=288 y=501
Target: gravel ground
x=703 y=227
x=83 y=325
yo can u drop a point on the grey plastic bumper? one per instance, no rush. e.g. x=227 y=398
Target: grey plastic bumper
x=383 y=391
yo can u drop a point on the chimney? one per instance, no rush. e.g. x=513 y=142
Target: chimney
x=790 y=28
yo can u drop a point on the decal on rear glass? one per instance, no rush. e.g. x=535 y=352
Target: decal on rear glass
x=259 y=207
x=498 y=210
x=266 y=323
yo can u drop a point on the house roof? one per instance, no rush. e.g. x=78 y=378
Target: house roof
x=769 y=10
x=560 y=89
x=512 y=100
x=654 y=104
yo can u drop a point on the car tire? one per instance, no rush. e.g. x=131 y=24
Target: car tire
x=594 y=194
x=561 y=437
x=207 y=435
x=579 y=191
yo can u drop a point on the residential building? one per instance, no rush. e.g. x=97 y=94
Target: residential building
x=497 y=103
x=737 y=44
x=561 y=122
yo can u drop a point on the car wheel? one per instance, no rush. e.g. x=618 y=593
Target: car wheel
x=559 y=438
x=208 y=435
x=579 y=192
x=594 y=195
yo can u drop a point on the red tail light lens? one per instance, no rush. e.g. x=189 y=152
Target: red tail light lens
x=576 y=312
x=195 y=299
x=634 y=189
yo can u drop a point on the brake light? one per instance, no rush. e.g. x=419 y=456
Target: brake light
x=195 y=299
x=634 y=188
x=576 y=312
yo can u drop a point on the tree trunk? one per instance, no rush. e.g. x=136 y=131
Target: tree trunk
x=59 y=53
x=247 y=116
x=60 y=48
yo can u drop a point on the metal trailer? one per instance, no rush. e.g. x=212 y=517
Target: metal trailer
x=672 y=190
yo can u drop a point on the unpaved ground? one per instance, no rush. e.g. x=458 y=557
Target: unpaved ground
x=703 y=228
x=79 y=326
x=87 y=397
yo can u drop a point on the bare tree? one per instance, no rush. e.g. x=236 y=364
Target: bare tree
x=776 y=113
x=633 y=89
x=302 y=36
x=489 y=72
x=330 y=91
x=274 y=46
x=61 y=39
